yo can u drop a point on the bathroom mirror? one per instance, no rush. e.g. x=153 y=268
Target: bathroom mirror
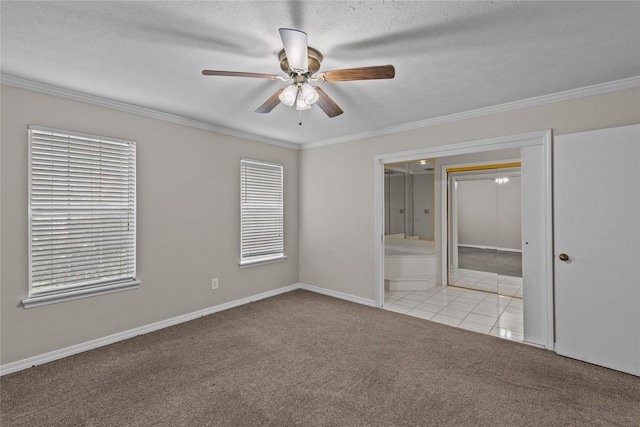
x=409 y=253
x=409 y=200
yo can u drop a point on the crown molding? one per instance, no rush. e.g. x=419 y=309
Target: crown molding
x=598 y=89
x=47 y=89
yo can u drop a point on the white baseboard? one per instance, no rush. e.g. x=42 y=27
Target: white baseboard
x=336 y=294
x=491 y=247
x=110 y=339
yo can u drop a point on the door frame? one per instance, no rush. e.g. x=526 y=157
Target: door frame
x=540 y=138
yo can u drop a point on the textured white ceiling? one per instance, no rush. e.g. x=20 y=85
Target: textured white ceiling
x=450 y=57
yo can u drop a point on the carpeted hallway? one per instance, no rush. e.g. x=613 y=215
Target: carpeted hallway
x=305 y=359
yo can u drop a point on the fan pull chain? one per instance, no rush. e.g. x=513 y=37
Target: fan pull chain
x=300 y=122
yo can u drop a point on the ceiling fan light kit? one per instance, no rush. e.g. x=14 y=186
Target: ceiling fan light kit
x=289 y=95
x=301 y=104
x=301 y=62
x=309 y=94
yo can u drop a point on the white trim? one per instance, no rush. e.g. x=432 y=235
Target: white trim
x=542 y=138
x=444 y=235
x=548 y=184
x=73 y=294
x=110 y=339
x=494 y=248
x=47 y=89
x=379 y=221
x=597 y=89
x=469 y=147
x=339 y=295
x=120 y=336
x=567 y=95
x=254 y=262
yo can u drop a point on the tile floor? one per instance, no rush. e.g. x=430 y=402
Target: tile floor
x=492 y=282
x=470 y=309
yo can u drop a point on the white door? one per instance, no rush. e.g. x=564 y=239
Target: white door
x=597 y=226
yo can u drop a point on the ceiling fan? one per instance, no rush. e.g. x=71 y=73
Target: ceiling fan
x=300 y=62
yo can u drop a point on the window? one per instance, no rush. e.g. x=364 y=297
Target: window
x=261 y=212
x=82 y=215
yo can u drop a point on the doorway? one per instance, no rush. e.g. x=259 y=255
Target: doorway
x=535 y=155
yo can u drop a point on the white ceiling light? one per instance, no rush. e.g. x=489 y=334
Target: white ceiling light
x=309 y=94
x=289 y=95
x=302 y=95
x=300 y=103
x=502 y=180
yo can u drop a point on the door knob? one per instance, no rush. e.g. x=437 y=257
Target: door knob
x=563 y=257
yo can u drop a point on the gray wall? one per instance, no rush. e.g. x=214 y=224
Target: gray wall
x=489 y=213
x=337 y=250
x=188 y=225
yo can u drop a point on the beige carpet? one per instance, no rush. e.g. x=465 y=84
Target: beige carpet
x=310 y=360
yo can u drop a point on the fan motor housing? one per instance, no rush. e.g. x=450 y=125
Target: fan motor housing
x=314 y=58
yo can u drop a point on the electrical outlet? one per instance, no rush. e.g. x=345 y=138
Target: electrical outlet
x=214 y=284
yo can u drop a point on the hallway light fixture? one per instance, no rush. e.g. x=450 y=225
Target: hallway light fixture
x=502 y=180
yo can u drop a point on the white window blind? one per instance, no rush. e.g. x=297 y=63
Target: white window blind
x=82 y=216
x=261 y=212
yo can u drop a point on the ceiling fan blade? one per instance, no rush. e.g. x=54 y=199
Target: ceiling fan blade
x=295 y=46
x=239 y=74
x=362 y=73
x=270 y=103
x=327 y=104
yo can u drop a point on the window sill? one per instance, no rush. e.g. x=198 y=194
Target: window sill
x=260 y=261
x=39 y=300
